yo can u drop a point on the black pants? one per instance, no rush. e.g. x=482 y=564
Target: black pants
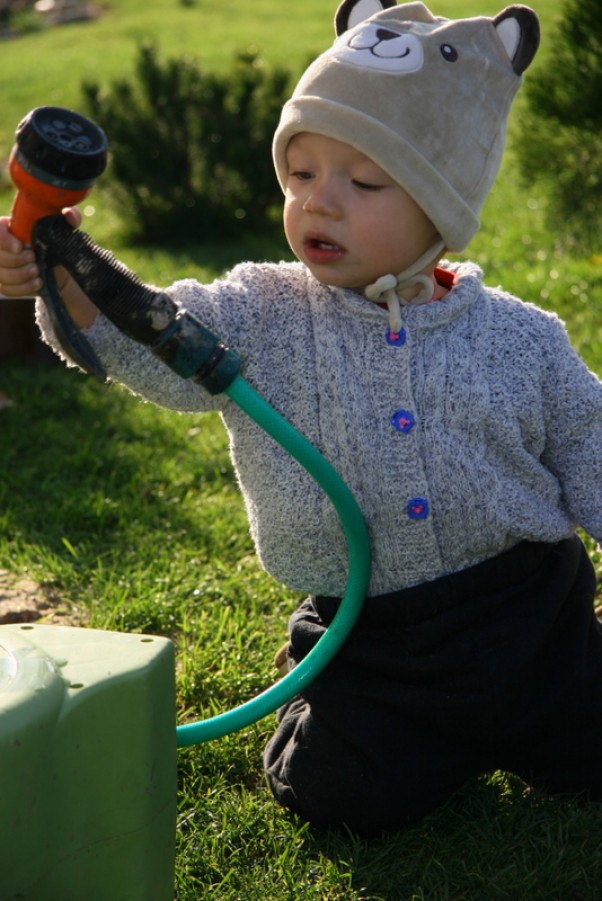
x=496 y=667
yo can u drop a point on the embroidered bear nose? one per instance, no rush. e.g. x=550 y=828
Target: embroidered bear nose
x=383 y=34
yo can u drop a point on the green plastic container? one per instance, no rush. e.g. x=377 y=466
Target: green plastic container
x=87 y=765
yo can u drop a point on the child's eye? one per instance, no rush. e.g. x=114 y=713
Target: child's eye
x=366 y=186
x=301 y=174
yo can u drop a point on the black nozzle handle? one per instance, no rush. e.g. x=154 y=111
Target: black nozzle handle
x=68 y=335
x=144 y=313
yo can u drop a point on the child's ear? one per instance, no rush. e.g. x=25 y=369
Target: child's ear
x=518 y=29
x=351 y=12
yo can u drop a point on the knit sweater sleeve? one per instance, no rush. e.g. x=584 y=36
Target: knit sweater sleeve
x=228 y=307
x=574 y=428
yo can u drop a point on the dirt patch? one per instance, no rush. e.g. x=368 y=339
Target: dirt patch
x=23 y=600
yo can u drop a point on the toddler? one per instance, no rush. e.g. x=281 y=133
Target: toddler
x=466 y=426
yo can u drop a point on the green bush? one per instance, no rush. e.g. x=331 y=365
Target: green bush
x=560 y=136
x=190 y=150
x=18 y=16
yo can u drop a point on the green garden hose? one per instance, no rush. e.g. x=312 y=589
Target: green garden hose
x=357 y=583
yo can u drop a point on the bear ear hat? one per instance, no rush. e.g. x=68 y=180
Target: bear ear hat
x=517 y=27
x=351 y=12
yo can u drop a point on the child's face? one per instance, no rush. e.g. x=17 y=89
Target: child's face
x=345 y=218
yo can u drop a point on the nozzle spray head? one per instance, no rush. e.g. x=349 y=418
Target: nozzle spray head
x=58 y=154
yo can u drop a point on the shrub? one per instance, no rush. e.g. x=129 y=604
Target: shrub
x=14 y=11
x=191 y=151
x=9 y=7
x=560 y=137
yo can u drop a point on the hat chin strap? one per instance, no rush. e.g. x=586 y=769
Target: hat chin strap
x=386 y=288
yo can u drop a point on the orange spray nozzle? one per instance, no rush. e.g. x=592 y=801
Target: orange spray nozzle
x=57 y=156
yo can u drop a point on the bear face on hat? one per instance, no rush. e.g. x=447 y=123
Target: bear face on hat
x=427 y=98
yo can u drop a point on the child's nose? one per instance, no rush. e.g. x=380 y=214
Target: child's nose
x=323 y=200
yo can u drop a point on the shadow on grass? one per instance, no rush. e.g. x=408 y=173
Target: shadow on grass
x=494 y=839
x=94 y=478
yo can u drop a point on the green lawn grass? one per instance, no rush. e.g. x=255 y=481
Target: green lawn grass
x=132 y=514
x=47 y=67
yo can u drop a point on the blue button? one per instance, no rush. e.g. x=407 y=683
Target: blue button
x=403 y=421
x=418 y=508
x=396 y=339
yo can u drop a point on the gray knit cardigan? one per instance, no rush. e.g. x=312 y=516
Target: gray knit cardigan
x=476 y=427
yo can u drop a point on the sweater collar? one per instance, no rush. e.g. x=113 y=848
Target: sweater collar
x=429 y=315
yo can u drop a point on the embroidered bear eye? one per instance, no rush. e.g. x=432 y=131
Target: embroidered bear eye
x=449 y=53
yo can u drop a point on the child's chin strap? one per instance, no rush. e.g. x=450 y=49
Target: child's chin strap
x=386 y=288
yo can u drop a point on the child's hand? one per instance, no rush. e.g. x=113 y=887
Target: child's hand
x=19 y=273
x=20 y=276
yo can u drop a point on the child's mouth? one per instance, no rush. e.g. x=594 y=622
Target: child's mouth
x=321 y=250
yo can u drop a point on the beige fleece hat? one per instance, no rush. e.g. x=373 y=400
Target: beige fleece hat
x=426 y=98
